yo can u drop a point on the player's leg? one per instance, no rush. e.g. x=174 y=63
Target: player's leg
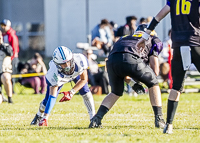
x=117 y=87
x=178 y=75
x=53 y=94
x=42 y=107
x=156 y=102
x=145 y=74
x=6 y=80
x=87 y=98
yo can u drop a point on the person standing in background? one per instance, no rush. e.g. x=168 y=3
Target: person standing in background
x=10 y=37
x=5 y=69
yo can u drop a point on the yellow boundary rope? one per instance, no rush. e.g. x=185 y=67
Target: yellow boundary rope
x=39 y=74
x=27 y=75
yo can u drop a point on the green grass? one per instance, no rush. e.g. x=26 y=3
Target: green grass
x=130 y=120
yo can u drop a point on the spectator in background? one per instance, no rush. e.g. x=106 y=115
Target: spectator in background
x=129 y=28
x=149 y=18
x=102 y=36
x=143 y=21
x=34 y=65
x=6 y=69
x=10 y=37
x=96 y=76
x=165 y=60
x=114 y=28
x=164 y=55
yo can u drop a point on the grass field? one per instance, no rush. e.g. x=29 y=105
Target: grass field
x=130 y=120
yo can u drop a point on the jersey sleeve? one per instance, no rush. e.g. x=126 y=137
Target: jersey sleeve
x=51 y=76
x=83 y=61
x=157 y=46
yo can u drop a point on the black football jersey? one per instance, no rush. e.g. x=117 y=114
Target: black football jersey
x=126 y=44
x=185 y=22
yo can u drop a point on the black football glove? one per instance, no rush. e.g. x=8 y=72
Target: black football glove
x=138 y=88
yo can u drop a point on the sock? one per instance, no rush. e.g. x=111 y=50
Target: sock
x=45 y=117
x=89 y=103
x=157 y=110
x=40 y=114
x=50 y=104
x=171 y=109
x=10 y=100
x=102 y=111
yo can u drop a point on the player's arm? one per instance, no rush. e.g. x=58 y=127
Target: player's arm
x=80 y=83
x=14 y=43
x=163 y=12
x=83 y=80
x=154 y=64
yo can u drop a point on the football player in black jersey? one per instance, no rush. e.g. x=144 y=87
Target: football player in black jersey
x=125 y=60
x=185 y=42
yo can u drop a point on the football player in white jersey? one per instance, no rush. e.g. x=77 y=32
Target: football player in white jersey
x=65 y=67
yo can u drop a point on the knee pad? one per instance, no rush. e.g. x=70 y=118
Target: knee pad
x=42 y=107
x=87 y=95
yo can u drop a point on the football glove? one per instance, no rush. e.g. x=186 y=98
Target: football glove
x=138 y=88
x=67 y=96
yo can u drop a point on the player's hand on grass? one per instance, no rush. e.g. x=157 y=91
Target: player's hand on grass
x=67 y=96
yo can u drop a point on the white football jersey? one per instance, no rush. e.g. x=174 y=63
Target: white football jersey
x=56 y=78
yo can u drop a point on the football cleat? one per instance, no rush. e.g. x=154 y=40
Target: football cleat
x=168 y=129
x=159 y=122
x=95 y=122
x=36 y=120
x=43 y=122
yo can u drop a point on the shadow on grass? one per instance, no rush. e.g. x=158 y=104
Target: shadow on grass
x=42 y=128
x=7 y=127
x=134 y=127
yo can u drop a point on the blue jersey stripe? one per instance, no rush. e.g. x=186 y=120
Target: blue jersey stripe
x=62 y=53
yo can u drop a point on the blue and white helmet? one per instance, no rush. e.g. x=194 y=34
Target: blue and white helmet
x=62 y=55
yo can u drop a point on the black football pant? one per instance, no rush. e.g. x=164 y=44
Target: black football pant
x=120 y=65
x=178 y=73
